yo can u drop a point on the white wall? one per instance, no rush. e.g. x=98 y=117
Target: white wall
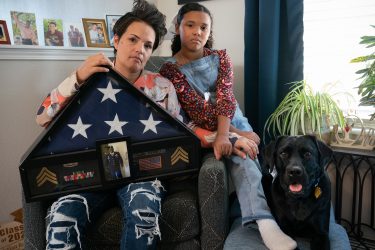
x=25 y=82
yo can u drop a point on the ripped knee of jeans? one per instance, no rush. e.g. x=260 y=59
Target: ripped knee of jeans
x=62 y=229
x=146 y=209
x=148 y=224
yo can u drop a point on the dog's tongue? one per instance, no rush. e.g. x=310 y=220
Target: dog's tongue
x=295 y=187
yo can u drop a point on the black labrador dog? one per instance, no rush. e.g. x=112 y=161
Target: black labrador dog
x=300 y=193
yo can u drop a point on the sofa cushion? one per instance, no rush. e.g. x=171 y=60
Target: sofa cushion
x=179 y=222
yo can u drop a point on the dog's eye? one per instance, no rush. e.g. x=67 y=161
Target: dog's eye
x=307 y=155
x=283 y=155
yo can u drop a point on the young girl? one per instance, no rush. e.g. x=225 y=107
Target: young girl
x=203 y=79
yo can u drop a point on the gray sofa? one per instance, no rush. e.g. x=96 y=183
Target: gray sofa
x=191 y=219
x=194 y=215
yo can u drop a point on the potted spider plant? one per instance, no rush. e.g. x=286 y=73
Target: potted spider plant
x=303 y=111
x=366 y=89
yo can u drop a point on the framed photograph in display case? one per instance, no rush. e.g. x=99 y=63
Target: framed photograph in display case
x=115 y=158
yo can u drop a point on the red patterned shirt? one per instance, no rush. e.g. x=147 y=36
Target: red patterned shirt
x=203 y=113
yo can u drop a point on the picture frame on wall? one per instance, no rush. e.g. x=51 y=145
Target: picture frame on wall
x=95 y=32
x=111 y=21
x=115 y=158
x=24 y=28
x=4 y=34
x=74 y=33
x=53 y=32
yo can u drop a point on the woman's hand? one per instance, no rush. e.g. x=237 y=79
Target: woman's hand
x=222 y=146
x=245 y=146
x=93 y=64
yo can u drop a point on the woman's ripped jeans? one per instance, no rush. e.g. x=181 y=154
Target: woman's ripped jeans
x=70 y=215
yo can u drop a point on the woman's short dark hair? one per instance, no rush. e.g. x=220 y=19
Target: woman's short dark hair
x=176 y=41
x=143 y=12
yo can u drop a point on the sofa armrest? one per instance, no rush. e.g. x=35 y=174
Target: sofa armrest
x=213 y=202
x=34 y=215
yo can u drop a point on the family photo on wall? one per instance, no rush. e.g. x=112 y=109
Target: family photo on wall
x=24 y=28
x=96 y=32
x=53 y=35
x=89 y=32
x=4 y=34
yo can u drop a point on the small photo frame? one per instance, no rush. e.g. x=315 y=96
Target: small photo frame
x=4 y=34
x=53 y=32
x=74 y=34
x=115 y=158
x=96 y=33
x=111 y=20
x=24 y=28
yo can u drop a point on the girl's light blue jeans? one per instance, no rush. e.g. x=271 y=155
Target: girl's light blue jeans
x=247 y=179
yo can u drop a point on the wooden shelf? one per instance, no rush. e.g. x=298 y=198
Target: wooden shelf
x=29 y=52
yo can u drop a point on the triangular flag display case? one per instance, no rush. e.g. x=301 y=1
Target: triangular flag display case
x=109 y=134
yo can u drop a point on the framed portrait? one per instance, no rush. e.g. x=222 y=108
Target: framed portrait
x=4 y=35
x=115 y=158
x=111 y=20
x=74 y=34
x=24 y=28
x=96 y=32
x=53 y=32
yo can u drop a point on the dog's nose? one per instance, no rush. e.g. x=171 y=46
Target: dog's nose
x=294 y=171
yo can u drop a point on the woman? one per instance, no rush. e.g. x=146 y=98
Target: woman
x=137 y=34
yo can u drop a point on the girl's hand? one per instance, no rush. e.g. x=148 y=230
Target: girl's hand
x=222 y=146
x=250 y=135
x=93 y=64
x=244 y=146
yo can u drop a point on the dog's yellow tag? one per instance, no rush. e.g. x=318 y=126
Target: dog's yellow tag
x=317 y=192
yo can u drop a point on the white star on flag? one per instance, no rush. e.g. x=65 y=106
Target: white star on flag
x=109 y=92
x=150 y=124
x=79 y=128
x=116 y=125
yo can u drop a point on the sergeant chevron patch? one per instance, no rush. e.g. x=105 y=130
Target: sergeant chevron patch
x=44 y=176
x=179 y=154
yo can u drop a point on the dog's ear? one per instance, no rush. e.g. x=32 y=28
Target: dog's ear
x=325 y=152
x=269 y=154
